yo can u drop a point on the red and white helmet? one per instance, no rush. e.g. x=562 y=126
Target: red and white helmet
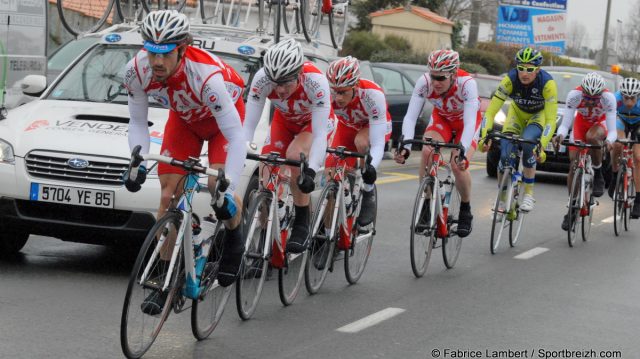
x=344 y=72
x=592 y=84
x=443 y=61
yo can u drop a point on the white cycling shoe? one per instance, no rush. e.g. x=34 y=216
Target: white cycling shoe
x=527 y=203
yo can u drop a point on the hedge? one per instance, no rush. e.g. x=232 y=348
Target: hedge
x=495 y=63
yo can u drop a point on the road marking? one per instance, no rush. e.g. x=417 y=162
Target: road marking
x=608 y=220
x=531 y=253
x=370 y=320
x=399 y=176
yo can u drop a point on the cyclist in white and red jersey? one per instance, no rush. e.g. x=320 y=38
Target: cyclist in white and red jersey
x=299 y=92
x=595 y=120
x=364 y=124
x=454 y=95
x=203 y=95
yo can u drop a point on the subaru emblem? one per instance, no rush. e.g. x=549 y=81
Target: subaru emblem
x=78 y=163
x=246 y=50
x=112 y=38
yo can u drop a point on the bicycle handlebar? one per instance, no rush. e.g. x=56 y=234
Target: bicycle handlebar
x=580 y=144
x=626 y=141
x=275 y=159
x=428 y=141
x=511 y=137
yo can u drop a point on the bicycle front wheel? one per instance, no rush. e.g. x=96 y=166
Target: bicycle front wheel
x=292 y=272
x=500 y=213
x=322 y=242
x=207 y=310
x=619 y=203
x=138 y=329
x=516 y=216
x=254 y=267
x=451 y=244
x=574 y=206
x=422 y=239
x=77 y=22
x=356 y=257
x=588 y=219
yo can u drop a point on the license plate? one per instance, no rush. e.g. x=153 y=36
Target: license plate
x=71 y=195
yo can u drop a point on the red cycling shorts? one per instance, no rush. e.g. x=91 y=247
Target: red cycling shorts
x=582 y=126
x=346 y=136
x=282 y=132
x=446 y=128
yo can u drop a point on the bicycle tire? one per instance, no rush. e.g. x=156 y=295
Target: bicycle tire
x=311 y=17
x=150 y=5
x=253 y=271
x=207 y=310
x=290 y=276
x=500 y=218
x=574 y=206
x=277 y=23
x=338 y=27
x=587 y=220
x=170 y=221
x=68 y=15
x=452 y=244
x=131 y=10
x=212 y=14
x=321 y=244
x=515 y=225
x=420 y=255
x=619 y=202
x=356 y=257
x=631 y=193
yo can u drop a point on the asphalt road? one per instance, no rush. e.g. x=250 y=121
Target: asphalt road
x=64 y=300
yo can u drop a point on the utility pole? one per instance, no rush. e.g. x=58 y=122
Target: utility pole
x=474 y=23
x=604 y=54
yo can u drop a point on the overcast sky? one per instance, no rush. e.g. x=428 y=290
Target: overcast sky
x=591 y=13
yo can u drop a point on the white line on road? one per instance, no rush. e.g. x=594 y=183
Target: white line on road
x=370 y=320
x=608 y=220
x=531 y=253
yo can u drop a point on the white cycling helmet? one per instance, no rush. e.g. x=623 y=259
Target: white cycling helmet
x=283 y=60
x=592 y=84
x=344 y=72
x=165 y=27
x=630 y=87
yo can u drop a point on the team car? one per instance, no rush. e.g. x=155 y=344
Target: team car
x=63 y=155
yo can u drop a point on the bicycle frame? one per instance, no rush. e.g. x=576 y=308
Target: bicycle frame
x=276 y=234
x=626 y=158
x=440 y=206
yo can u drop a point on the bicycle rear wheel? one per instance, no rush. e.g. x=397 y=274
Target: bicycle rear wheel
x=356 y=257
x=619 y=203
x=291 y=274
x=80 y=19
x=517 y=216
x=500 y=215
x=574 y=206
x=207 y=310
x=137 y=329
x=422 y=241
x=338 y=19
x=254 y=267
x=451 y=245
x=322 y=243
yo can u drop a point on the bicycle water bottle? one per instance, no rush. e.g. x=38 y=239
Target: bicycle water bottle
x=347 y=199
x=281 y=211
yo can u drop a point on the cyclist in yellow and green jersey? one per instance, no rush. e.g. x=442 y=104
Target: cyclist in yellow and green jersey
x=531 y=115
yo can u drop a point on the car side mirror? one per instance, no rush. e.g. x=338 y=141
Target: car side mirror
x=34 y=85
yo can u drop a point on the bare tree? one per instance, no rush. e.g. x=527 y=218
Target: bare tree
x=630 y=39
x=576 y=35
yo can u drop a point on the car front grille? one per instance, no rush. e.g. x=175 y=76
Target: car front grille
x=101 y=170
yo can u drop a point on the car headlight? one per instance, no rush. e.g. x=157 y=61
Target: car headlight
x=500 y=118
x=6 y=152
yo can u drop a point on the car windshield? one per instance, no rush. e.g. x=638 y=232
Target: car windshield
x=486 y=87
x=567 y=81
x=99 y=75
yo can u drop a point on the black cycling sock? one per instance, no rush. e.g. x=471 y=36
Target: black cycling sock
x=233 y=242
x=637 y=199
x=302 y=214
x=465 y=206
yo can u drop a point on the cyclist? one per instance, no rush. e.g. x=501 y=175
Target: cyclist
x=300 y=94
x=454 y=95
x=203 y=95
x=596 y=113
x=628 y=122
x=532 y=115
x=363 y=123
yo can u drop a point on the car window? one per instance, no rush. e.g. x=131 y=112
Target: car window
x=567 y=81
x=408 y=86
x=414 y=74
x=68 y=52
x=365 y=71
x=391 y=81
x=321 y=64
x=486 y=87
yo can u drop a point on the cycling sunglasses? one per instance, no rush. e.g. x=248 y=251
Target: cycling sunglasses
x=629 y=97
x=526 y=69
x=439 y=78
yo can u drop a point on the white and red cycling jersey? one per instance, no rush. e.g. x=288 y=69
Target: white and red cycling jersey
x=367 y=109
x=204 y=96
x=309 y=104
x=459 y=105
x=601 y=112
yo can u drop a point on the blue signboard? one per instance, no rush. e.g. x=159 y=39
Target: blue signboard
x=538 y=23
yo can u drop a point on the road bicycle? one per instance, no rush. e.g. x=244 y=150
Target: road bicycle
x=507 y=211
x=271 y=217
x=625 y=191
x=135 y=10
x=337 y=13
x=443 y=200
x=191 y=272
x=84 y=18
x=334 y=227
x=581 y=202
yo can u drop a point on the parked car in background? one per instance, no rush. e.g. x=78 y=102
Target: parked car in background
x=567 y=79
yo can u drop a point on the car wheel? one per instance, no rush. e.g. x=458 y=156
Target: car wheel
x=11 y=242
